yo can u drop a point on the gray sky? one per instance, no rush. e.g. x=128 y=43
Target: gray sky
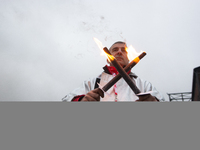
x=47 y=47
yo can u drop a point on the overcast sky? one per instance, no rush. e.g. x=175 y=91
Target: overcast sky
x=47 y=47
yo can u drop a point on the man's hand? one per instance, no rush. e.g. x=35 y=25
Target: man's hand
x=147 y=97
x=93 y=95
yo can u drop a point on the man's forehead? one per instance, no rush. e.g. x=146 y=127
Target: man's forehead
x=118 y=45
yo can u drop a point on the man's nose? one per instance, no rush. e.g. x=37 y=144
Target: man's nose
x=119 y=51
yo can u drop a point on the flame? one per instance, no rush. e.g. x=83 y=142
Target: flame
x=100 y=45
x=132 y=54
x=110 y=57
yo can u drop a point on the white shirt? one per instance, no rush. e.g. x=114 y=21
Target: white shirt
x=124 y=92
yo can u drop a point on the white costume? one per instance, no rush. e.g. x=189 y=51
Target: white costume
x=124 y=92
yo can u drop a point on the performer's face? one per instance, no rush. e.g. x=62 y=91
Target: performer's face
x=118 y=50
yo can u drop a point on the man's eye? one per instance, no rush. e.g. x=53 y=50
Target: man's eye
x=123 y=50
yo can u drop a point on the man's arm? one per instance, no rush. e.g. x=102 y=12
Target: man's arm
x=78 y=93
x=146 y=87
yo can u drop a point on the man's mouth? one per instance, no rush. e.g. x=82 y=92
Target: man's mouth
x=119 y=58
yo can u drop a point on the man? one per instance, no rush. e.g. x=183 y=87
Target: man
x=89 y=91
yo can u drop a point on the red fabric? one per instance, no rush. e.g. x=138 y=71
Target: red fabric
x=77 y=98
x=112 y=70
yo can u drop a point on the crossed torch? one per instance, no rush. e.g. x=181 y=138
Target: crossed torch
x=122 y=71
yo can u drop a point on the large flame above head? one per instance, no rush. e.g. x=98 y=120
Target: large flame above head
x=132 y=54
x=100 y=45
x=103 y=53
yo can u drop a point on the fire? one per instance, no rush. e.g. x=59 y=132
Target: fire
x=110 y=57
x=100 y=45
x=132 y=54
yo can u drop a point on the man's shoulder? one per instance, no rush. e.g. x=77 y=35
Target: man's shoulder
x=133 y=75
